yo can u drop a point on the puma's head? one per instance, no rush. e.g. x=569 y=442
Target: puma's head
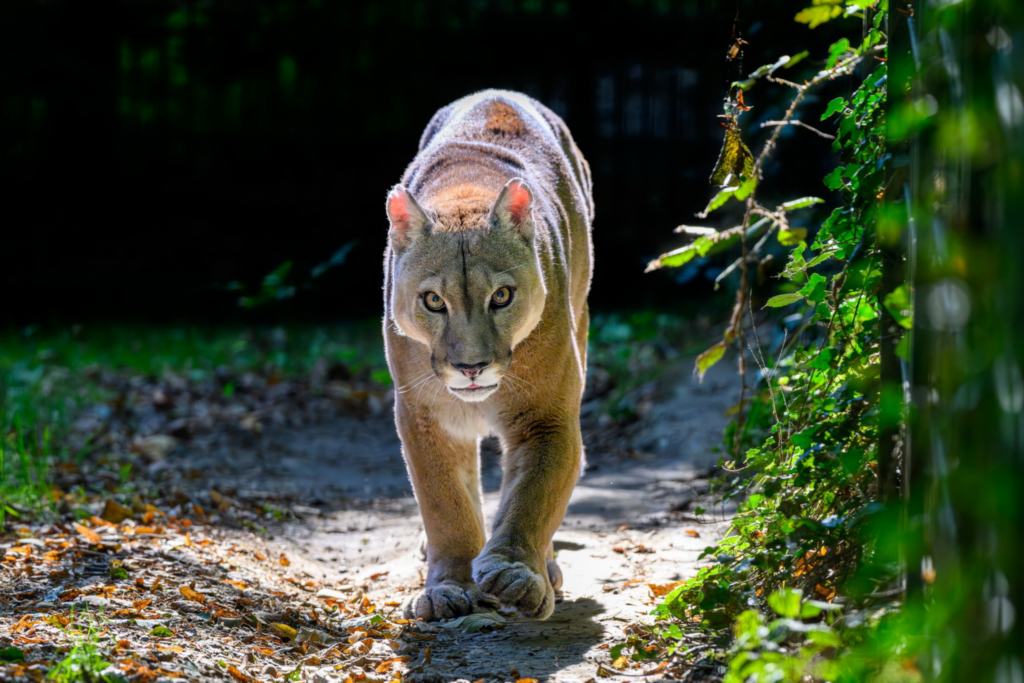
x=467 y=283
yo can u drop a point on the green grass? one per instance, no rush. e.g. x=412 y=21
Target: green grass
x=85 y=661
x=45 y=380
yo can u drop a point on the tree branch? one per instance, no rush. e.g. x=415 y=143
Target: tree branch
x=796 y=122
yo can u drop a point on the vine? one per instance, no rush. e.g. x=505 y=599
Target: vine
x=798 y=560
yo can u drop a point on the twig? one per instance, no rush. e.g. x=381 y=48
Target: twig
x=828 y=74
x=797 y=122
x=695 y=649
x=616 y=672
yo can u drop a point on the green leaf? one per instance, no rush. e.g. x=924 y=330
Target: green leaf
x=813 y=608
x=746 y=188
x=786 y=602
x=741 y=192
x=834 y=180
x=805 y=438
x=903 y=348
x=719 y=200
x=161 y=632
x=824 y=256
x=898 y=303
x=825 y=638
x=822 y=360
x=781 y=300
x=874 y=37
x=801 y=203
x=836 y=105
x=709 y=358
x=708 y=245
x=814 y=290
x=795 y=59
x=675 y=258
x=837 y=50
x=12 y=654
x=822 y=11
x=789 y=237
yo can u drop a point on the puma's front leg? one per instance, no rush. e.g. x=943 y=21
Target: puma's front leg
x=445 y=477
x=541 y=466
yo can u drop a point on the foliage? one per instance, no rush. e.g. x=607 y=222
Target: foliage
x=807 y=484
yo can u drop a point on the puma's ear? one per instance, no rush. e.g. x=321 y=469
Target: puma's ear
x=514 y=208
x=408 y=219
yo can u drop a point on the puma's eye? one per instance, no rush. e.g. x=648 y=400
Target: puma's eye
x=433 y=301
x=502 y=297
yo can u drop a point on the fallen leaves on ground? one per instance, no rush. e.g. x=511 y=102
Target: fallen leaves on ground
x=185 y=604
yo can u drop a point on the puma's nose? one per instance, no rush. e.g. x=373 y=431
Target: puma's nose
x=471 y=370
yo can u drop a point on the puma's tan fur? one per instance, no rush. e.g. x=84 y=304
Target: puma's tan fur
x=498 y=197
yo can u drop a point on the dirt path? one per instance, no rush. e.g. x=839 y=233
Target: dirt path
x=629 y=522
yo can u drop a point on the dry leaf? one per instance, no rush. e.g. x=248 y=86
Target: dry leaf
x=192 y=594
x=734 y=160
x=285 y=631
x=471 y=623
x=284 y=561
x=89 y=534
x=239 y=676
x=102 y=522
x=24 y=622
x=691 y=532
x=155 y=447
x=823 y=592
x=58 y=620
x=659 y=590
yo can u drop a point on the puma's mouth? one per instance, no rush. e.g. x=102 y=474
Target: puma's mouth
x=473 y=392
x=475 y=387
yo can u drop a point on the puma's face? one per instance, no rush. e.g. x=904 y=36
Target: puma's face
x=470 y=295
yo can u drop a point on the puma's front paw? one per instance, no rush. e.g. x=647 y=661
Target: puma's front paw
x=514 y=585
x=446 y=600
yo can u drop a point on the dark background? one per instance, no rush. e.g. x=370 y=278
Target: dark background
x=152 y=152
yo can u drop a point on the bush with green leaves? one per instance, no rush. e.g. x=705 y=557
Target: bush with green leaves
x=804 y=463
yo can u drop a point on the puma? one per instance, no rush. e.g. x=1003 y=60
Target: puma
x=487 y=271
